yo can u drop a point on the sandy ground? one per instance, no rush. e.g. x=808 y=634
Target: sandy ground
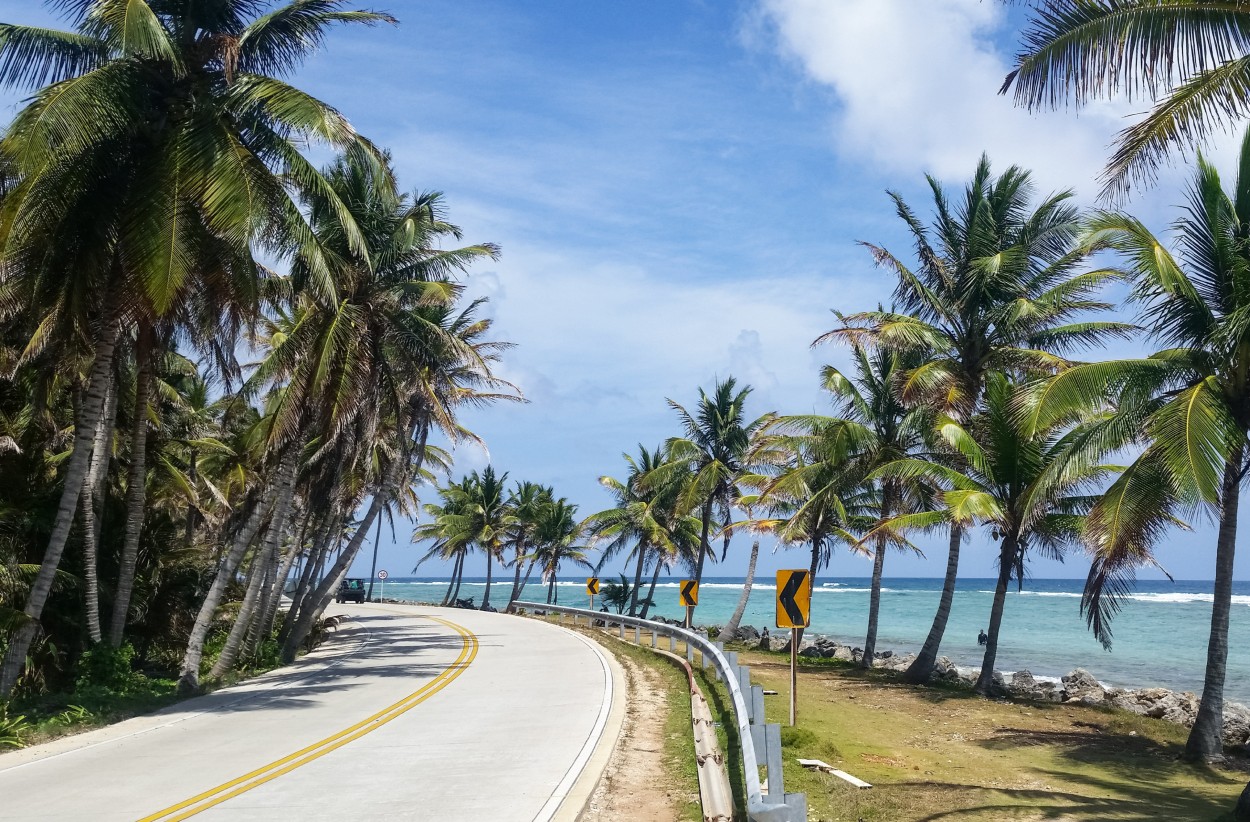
x=634 y=788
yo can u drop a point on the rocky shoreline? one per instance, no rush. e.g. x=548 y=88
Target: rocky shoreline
x=1077 y=687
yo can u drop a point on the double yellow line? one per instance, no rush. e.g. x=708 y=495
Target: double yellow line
x=229 y=790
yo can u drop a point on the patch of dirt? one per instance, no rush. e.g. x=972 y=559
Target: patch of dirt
x=631 y=787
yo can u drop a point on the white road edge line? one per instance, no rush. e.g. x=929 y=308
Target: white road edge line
x=252 y=690
x=562 y=790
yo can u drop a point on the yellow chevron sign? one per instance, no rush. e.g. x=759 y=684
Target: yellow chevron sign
x=592 y=586
x=689 y=593
x=794 y=599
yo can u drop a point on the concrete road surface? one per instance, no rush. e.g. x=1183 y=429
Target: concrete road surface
x=407 y=713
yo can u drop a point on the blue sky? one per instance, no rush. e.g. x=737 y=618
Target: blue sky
x=678 y=187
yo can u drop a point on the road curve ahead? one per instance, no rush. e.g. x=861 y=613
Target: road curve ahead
x=407 y=713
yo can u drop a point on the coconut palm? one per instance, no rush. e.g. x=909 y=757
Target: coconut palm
x=556 y=542
x=481 y=517
x=528 y=499
x=1190 y=59
x=889 y=429
x=150 y=163
x=1030 y=487
x=635 y=521
x=715 y=442
x=1189 y=405
x=996 y=289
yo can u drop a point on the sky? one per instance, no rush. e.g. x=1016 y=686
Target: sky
x=679 y=188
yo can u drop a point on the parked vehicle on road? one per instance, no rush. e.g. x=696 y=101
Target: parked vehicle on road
x=351 y=590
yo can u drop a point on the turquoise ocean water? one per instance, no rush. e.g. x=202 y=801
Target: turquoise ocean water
x=1160 y=636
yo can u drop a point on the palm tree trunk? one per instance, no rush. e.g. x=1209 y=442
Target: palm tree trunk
x=189 y=677
x=320 y=598
x=490 y=561
x=373 y=566
x=312 y=566
x=633 y=594
x=516 y=577
x=193 y=477
x=529 y=569
x=273 y=594
x=812 y=576
x=1206 y=738
x=75 y=473
x=451 y=582
x=704 y=547
x=459 y=576
x=646 y=605
x=247 y=611
x=551 y=589
x=874 y=606
x=555 y=589
x=1006 y=561
x=92 y=496
x=731 y=627
x=136 y=487
x=922 y=668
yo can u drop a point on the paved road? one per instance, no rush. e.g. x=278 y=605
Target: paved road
x=408 y=713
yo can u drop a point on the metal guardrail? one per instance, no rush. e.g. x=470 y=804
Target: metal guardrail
x=759 y=808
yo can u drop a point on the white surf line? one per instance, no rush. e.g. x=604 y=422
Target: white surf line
x=251 y=690
x=562 y=790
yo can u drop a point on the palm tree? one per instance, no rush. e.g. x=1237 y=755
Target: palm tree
x=1188 y=405
x=634 y=521
x=717 y=438
x=556 y=540
x=995 y=290
x=482 y=517
x=1189 y=58
x=819 y=495
x=527 y=501
x=1030 y=487
x=163 y=142
x=888 y=429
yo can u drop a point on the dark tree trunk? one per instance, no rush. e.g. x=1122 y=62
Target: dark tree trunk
x=451 y=583
x=79 y=461
x=459 y=575
x=516 y=576
x=633 y=594
x=922 y=668
x=704 y=548
x=373 y=566
x=529 y=569
x=136 y=486
x=1206 y=738
x=874 y=597
x=646 y=603
x=1242 y=812
x=551 y=590
x=490 y=562
x=731 y=627
x=1006 y=561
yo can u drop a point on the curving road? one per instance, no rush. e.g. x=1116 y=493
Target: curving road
x=407 y=713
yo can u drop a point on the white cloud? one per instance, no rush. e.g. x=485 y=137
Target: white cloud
x=917 y=84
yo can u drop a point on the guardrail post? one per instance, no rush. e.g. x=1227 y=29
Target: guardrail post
x=622 y=627
x=637 y=635
x=772 y=752
x=653 y=637
x=757 y=704
x=744 y=684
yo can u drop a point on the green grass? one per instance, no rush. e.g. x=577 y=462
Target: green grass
x=942 y=753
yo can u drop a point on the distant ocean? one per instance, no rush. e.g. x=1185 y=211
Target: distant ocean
x=1160 y=635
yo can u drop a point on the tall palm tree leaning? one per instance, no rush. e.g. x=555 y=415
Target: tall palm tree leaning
x=717 y=437
x=1190 y=402
x=167 y=158
x=995 y=289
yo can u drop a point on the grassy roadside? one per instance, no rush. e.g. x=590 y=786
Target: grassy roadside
x=942 y=753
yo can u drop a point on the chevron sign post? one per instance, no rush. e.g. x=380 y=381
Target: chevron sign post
x=794 y=611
